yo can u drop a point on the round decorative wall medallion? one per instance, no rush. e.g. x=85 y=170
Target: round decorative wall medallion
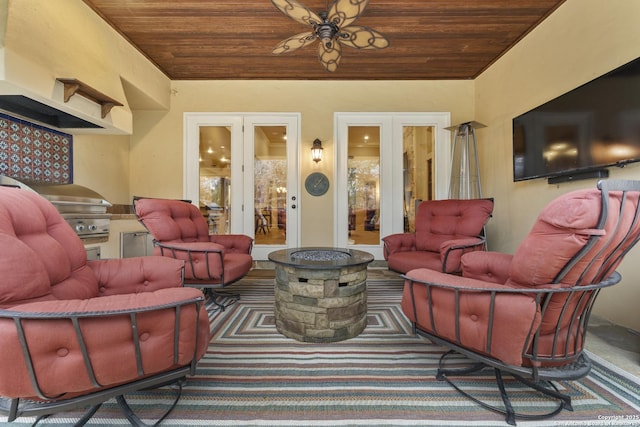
x=317 y=184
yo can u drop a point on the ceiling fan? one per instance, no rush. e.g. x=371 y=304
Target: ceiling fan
x=332 y=27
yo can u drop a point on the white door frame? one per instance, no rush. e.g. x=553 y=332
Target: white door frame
x=391 y=178
x=242 y=168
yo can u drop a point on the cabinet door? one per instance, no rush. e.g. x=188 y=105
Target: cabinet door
x=133 y=244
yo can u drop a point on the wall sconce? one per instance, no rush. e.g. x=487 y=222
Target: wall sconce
x=316 y=150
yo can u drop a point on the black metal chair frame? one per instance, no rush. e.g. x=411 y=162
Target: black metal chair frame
x=563 y=364
x=50 y=405
x=211 y=284
x=576 y=363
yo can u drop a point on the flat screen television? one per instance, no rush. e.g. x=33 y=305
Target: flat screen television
x=581 y=133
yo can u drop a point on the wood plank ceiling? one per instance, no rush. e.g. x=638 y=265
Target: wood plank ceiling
x=224 y=39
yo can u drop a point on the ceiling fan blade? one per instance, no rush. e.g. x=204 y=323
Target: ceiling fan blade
x=344 y=12
x=294 y=42
x=329 y=56
x=297 y=12
x=362 y=38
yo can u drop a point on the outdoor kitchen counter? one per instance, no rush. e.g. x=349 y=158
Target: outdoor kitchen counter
x=116 y=217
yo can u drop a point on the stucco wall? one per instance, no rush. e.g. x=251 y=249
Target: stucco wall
x=582 y=40
x=157 y=141
x=101 y=162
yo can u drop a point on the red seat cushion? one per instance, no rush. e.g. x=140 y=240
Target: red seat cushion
x=408 y=260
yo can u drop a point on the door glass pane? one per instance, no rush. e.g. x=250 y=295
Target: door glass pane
x=215 y=177
x=270 y=184
x=363 y=181
x=418 y=155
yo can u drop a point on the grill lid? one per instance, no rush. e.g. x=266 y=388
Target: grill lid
x=67 y=198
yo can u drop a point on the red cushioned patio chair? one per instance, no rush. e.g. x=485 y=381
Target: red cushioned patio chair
x=75 y=333
x=526 y=314
x=445 y=230
x=179 y=230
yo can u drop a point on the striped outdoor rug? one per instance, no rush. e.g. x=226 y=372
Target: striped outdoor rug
x=253 y=376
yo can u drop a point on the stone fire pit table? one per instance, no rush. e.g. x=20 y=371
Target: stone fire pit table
x=321 y=293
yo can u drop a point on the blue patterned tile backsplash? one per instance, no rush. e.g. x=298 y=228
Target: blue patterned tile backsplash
x=32 y=152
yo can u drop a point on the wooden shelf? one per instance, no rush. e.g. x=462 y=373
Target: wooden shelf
x=74 y=86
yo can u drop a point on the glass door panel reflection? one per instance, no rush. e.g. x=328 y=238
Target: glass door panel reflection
x=363 y=170
x=417 y=167
x=215 y=177
x=270 y=185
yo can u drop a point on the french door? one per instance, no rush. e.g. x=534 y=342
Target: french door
x=386 y=163
x=242 y=171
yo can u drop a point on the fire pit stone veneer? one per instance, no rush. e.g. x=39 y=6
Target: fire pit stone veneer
x=320 y=293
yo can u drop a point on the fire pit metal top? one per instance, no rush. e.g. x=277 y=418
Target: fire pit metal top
x=320 y=257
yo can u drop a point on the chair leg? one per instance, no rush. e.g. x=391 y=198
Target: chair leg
x=215 y=294
x=510 y=413
x=442 y=373
x=48 y=410
x=82 y=421
x=135 y=420
x=551 y=391
x=564 y=399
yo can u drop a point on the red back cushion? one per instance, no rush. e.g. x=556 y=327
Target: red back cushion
x=560 y=231
x=440 y=220
x=41 y=255
x=172 y=220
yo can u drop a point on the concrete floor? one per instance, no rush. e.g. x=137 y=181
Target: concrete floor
x=615 y=344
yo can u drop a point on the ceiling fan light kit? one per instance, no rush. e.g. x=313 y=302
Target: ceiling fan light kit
x=332 y=28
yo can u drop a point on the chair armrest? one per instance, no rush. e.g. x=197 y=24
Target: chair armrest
x=451 y=252
x=400 y=242
x=134 y=275
x=520 y=329
x=55 y=349
x=203 y=260
x=483 y=318
x=233 y=243
x=487 y=266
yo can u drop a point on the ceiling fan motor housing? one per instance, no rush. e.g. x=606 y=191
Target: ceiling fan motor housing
x=326 y=31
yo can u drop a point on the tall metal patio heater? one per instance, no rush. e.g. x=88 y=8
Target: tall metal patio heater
x=465 y=174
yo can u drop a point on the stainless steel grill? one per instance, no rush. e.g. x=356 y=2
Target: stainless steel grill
x=84 y=209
